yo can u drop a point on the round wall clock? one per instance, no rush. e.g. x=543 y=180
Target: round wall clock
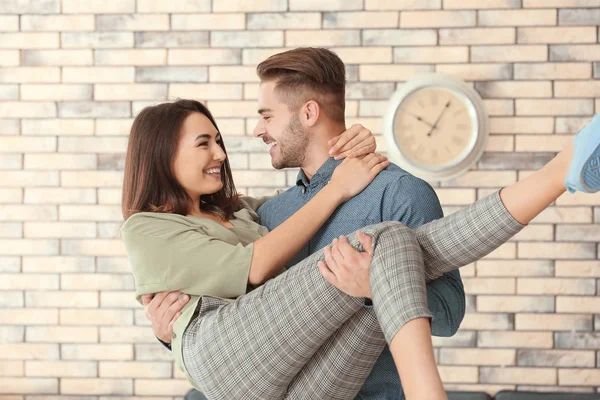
x=436 y=127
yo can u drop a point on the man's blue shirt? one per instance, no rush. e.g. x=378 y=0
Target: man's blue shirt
x=394 y=195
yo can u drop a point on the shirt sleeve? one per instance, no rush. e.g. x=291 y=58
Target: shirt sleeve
x=413 y=202
x=178 y=257
x=254 y=203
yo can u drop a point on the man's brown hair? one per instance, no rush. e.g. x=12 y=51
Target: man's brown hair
x=308 y=73
x=149 y=183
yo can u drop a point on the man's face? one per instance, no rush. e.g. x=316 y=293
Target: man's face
x=281 y=129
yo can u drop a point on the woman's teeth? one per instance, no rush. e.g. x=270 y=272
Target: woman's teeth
x=213 y=171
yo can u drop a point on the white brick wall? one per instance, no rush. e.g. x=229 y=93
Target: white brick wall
x=73 y=75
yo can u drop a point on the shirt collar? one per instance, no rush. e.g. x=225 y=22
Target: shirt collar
x=323 y=174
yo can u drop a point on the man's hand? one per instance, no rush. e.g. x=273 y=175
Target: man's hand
x=163 y=309
x=346 y=268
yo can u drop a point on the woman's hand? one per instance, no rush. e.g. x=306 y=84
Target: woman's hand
x=347 y=268
x=354 y=142
x=354 y=174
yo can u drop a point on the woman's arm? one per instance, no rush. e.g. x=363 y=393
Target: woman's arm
x=279 y=246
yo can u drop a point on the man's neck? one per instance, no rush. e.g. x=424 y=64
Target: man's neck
x=317 y=152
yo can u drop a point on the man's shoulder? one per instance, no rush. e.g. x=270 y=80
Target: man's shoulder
x=396 y=178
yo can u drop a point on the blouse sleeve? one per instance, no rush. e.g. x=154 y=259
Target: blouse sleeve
x=189 y=261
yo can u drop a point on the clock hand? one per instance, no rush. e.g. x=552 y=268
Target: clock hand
x=438 y=119
x=415 y=115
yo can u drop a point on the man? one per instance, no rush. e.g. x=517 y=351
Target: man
x=301 y=106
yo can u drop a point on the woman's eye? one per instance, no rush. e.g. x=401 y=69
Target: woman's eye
x=203 y=144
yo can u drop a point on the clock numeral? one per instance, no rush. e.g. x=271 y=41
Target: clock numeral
x=448 y=150
x=434 y=153
x=420 y=103
x=457 y=140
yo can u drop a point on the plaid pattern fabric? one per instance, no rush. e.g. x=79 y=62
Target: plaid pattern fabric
x=298 y=337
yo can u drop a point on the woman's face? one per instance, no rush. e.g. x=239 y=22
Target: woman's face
x=199 y=157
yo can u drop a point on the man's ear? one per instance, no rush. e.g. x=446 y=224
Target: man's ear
x=309 y=114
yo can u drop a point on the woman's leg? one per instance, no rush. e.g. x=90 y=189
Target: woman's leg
x=255 y=346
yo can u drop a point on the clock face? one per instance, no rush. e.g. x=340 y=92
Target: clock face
x=435 y=127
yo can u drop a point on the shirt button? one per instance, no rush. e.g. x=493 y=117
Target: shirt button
x=303 y=190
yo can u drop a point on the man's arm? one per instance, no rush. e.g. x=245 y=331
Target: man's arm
x=413 y=202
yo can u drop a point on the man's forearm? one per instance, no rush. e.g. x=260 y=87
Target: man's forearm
x=446 y=301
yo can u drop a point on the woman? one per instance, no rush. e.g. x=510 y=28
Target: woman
x=253 y=330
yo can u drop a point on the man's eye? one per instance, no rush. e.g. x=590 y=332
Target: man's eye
x=266 y=118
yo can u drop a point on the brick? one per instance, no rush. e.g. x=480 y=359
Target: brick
x=131 y=57
x=373 y=108
x=29 y=281
x=477 y=36
x=117 y=300
x=58 y=127
x=547 y=35
x=520 y=125
x=61 y=334
x=556 y=250
x=60 y=161
x=29 y=316
x=27 y=110
x=489 y=285
x=596 y=70
x=52 y=23
x=10 y=264
x=11 y=230
x=29 y=40
x=97 y=7
x=28 y=178
x=322 y=38
x=556 y=358
x=558 y=107
x=516 y=17
x=9 y=58
x=153 y=387
x=12 y=368
x=109 y=230
x=56 y=92
x=475 y=4
x=356 y=20
x=437 y=55
x=90 y=247
x=9 y=92
x=61 y=299
x=437 y=19
x=57 y=57
x=256 y=55
x=581 y=233
x=175 y=6
x=402 y=5
x=575 y=53
x=455 y=196
x=187 y=22
x=553 y=71
x=30 y=7
x=243 y=6
x=574 y=304
x=460 y=339
x=11 y=195
x=111 y=161
x=232 y=108
x=115 y=144
x=514 y=89
x=96 y=386
x=127 y=335
x=560 y=3
x=484 y=179
x=30 y=75
x=206 y=91
x=398 y=37
x=273 y=21
x=589 y=377
x=515 y=339
x=28 y=385
x=28 y=247
x=506 y=161
x=113 y=127
x=97 y=318
x=577 y=89
x=578 y=268
x=59 y=195
x=172 y=74
x=477 y=357
x=571 y=125
x=578 y=17
x=28 y=213
x=98 y=74
x=11 y=161
x=534 y=376
x=97 y=40
x=61 y=369
x=362 y=90
x=9 y=23
x=110 y=369
x=390 y=72
x=152 y=352
x=59 y=230
x=479 y=72
x=12 y=334
x=542 y=143
x=515 y=304
x=553 y=322
x=481 y=321
x=204 y=57
x=115 y=92
x=512 y=53
x=171 y=39
x=133 y=22
x=333 y=5
x=458 y=374
x=58 y=264
x=535 y=232
x=556 y=286
x=577 y=340
x=9 y=127
x=11 y=299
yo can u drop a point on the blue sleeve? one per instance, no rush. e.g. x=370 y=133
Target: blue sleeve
x=413 y=202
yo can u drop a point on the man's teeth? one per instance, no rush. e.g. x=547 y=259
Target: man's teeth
x=213 y=171
x=272 y=144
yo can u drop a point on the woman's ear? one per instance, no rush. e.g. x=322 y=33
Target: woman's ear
x=310 y=113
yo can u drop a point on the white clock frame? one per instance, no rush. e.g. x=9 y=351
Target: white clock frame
x=477 y=114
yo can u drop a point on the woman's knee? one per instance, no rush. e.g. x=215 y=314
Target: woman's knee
x=392 y=232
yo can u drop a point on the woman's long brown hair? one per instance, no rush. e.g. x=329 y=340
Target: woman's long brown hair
x=149 y=183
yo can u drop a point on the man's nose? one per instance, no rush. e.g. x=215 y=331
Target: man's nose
x=258 y=129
